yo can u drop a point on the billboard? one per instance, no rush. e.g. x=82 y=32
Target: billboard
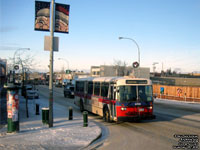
x=42 y=16
x=62 y=18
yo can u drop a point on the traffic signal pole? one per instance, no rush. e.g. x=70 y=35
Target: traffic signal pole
x=51 y=66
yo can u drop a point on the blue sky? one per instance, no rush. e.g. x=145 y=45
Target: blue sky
x=167 y=31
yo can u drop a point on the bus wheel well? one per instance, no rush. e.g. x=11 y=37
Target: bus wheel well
x=105 y=107
x=106 y=114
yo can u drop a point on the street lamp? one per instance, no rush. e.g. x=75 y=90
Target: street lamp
x=136 y=45
x=65 y=61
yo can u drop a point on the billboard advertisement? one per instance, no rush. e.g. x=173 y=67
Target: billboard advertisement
x=62 y=18
x=42 y=16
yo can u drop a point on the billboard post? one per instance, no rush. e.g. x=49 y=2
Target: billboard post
x=59 y=22
x=51 y=67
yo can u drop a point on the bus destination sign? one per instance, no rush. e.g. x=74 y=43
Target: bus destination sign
x=136 y=81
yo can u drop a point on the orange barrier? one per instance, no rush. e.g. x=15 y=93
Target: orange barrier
x=182 y=93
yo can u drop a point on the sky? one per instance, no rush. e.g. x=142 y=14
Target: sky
x=167 y=32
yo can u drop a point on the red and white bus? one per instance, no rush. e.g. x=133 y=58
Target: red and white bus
x=115 y=98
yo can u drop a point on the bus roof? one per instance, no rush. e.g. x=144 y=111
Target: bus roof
x=113 y=79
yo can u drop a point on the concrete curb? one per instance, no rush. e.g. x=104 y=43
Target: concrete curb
x=98 y=136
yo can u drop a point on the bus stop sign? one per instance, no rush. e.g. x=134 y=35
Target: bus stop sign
x=136 y=64
x=16 y=67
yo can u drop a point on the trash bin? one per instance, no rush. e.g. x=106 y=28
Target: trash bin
x=45 y=115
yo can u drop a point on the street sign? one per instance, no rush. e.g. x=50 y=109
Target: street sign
x=68 y=71
x=47 y=41
x=136 y=64
x=16 y=67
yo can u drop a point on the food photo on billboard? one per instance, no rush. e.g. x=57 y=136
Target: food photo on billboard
x=62 y=18
x=42 y=16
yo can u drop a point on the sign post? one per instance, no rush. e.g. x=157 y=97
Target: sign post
x=51 y=67
x=59 y=20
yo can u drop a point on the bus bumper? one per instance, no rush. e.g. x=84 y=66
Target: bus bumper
x=136 y=118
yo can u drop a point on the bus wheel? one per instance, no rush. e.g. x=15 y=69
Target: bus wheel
x=106 y=115
x=81 y=106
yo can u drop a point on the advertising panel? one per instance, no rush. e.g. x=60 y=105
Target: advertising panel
x=62 y=18
x=42 y=16
x=162 y=90
x=13 y=105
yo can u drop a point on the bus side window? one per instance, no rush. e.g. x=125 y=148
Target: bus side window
x=90 y=88
x=104 y=89
x=77 y=86
x=97 y=88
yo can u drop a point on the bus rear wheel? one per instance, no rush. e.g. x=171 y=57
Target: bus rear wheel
x=106 y=115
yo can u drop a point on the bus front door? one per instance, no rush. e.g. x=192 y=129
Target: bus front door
x=113 y=102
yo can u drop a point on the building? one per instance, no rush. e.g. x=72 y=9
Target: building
x=3 y=70
x=106 y=71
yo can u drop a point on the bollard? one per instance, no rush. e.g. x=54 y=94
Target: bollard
x=85 y=119
x=37 y=108
x=45 y=115
x=70 y=113
x=12 y=108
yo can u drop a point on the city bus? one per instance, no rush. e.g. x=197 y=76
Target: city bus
x=115 y=98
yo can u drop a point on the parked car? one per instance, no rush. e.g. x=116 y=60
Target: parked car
x=69 y=91
x=31 y=93
x=58 y=84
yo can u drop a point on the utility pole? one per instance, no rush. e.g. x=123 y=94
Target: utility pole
x=51 y=67
x=154 y=66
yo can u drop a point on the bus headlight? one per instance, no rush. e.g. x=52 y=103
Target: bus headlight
x=150 y=107
x=123 y=108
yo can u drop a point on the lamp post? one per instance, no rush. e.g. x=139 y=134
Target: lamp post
x=51 y=64
x=135 y=44
x=65 y=61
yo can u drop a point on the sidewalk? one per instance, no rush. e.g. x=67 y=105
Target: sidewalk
x=65 y=134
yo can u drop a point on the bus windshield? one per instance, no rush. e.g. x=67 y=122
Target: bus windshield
x=145 y=93
x=132 y=93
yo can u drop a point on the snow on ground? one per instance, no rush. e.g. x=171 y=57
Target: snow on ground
x=180 y=103
x=65 y=134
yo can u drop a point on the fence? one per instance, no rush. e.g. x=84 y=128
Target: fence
x=182 y=93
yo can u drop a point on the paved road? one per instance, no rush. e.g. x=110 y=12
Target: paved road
x=58 y=94
x=149 y=134
x=154 y=134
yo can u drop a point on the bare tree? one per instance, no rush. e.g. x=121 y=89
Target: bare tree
x=25 y=63
x=120 y=67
